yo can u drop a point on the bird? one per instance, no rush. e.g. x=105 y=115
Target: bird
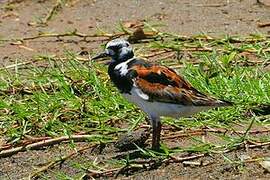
x=156 y=89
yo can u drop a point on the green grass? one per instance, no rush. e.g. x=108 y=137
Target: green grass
x=61 y=99
x=64 y=97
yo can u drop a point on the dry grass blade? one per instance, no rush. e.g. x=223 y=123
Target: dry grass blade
x=18 y=64
x=43 y=143
x=73 y=33
x=173 y=159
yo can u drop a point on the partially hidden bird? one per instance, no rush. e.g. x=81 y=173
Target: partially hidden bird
x=156 y=89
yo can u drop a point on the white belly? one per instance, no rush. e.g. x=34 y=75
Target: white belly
x=158 y=109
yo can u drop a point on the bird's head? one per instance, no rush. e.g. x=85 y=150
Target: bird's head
x=119 y=50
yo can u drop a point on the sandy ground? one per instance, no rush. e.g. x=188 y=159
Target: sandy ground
x=184 y=17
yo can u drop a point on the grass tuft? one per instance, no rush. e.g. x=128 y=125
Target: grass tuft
x=64 y=96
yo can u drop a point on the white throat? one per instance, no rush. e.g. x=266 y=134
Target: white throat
x=123 y=67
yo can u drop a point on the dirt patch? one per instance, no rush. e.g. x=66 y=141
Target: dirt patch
x=215 y=17
x=237 y=164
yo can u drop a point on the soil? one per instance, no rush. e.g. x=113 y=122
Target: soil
x=212 y=17
x=212 y=166
x=184 y=17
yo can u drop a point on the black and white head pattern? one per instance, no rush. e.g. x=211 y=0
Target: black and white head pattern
x=119 y=50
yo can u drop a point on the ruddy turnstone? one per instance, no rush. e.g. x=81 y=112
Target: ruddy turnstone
x=157 y=90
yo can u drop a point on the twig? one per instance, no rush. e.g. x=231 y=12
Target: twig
x=72 y=33
x=220 y=130
x=187 y=134
x=173 y=159
x=26 y=48
x=148 y=35
x=156 y=53
x=211 y=5
x=239 y=146
x=39 y=59
x=17 y=64
x=205 y=130
x=67 y=34
x=58 y=161
x=24 y=142
x=262 y=25
x=109 y=173
x=43 y=143
x=210 y=39
x=259 y=145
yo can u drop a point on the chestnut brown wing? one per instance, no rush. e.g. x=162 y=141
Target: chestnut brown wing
x=163 y=84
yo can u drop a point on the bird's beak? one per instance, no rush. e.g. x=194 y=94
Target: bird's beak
x=101 y=55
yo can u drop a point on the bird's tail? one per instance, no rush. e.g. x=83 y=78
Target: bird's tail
x=223 y=103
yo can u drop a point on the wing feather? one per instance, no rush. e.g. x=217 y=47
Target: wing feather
x=165 y=85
